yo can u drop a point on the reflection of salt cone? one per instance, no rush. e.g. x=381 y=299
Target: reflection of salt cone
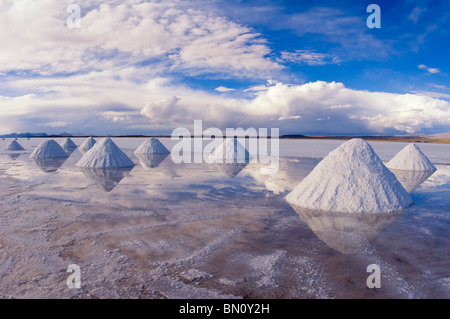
x=149 y=161
x=345 y=232
x=410 y=180
x=49 y=164
x=106 y=178
x=232 y=169
x=14 y=156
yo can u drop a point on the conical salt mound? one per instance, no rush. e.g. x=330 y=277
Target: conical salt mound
x=411 y=158
x=152 y=146
x=87 y=144
x=351 y=179
x=68 y=144
x=13 y=146
x=105 y=154
x=49 y=149
x=230 y=151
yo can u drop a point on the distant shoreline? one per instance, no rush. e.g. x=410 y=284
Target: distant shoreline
x=390 y=138
x=410 y=139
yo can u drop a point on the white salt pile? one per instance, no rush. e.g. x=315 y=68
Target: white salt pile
x=351 y=179
x=68 y=144
x=151 y=146
x=87 y=144
x=230 y=151
x=49 y=149
x=105 y=154
x=13 y=146
x=411 y=158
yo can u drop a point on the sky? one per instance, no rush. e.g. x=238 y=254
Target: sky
x=148 y=67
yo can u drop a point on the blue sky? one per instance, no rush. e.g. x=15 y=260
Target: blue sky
x=147 y=67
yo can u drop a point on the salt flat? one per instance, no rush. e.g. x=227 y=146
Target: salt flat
x=194 y=231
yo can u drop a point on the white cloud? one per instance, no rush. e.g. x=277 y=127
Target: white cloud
x=97 y=103
x=415 y=14
x=337 y=26
x=375 y=112
x=436 y=95
x=114 y=75
x=170 y=33
x=164 y=108
x=292 y=117
x=443 y=87
x=257 y=88
x=430 y=70
x=433 y=70
x=309 y=57
x=223 y=89
x=57 y=124
x=340 y=106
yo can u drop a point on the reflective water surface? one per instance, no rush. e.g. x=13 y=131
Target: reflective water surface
x=165 y=230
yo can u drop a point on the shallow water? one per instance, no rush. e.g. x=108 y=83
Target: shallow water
x=165 y=230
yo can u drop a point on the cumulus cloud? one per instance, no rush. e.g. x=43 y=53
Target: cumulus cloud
x=117 y=106
x=358 y=111
x=161 y=109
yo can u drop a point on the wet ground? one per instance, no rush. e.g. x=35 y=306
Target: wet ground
x=165 y=230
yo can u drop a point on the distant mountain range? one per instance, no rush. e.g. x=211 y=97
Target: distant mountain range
x=21 y=135
x=443 y=135
x=408 y=137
